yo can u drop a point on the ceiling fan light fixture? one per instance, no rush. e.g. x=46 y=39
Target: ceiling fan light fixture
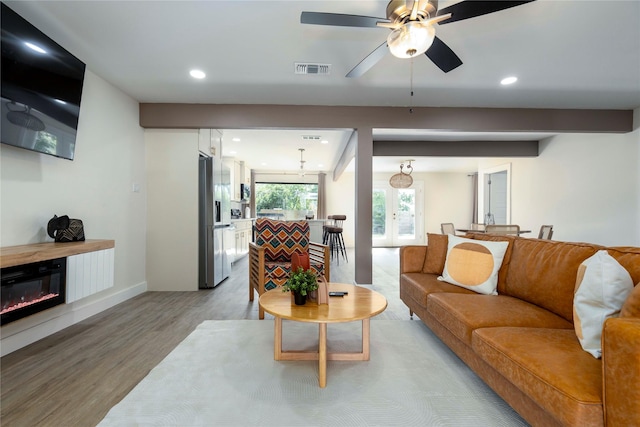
x=411 y=39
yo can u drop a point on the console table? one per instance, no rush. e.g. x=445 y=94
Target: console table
x=26 y=254
x=90 y=264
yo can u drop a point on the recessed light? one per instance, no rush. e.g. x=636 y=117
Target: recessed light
x=264 y=163
x=508 y=80
x=35 y=47
x=197 y=74
x=236 y=139
x=320 y=165
x=233 y=153
x=324 y=141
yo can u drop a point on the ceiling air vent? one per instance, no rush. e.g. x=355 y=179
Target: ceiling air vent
x=306 y=68
x=310 y=137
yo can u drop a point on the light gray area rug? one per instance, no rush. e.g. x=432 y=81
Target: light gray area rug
x=223 y=374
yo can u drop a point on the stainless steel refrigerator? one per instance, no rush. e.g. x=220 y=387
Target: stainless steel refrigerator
x=214 y=207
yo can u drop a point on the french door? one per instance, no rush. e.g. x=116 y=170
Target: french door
x=398 y=217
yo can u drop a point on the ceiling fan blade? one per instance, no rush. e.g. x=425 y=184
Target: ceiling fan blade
x=442 y=55
x=368 y=62
x=436 y=20
x=472 y=8
x=339 y=19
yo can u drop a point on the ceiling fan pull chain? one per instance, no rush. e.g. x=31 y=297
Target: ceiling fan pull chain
x=411 y=84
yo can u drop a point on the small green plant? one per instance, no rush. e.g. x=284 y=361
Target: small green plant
x=301 y=281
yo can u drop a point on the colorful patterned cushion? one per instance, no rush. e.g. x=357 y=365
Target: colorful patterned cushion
x=277 y=273
x=281 y=238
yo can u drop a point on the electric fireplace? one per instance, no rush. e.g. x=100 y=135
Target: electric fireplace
x=31 y=288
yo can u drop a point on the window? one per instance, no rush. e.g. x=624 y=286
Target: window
x=286 y=201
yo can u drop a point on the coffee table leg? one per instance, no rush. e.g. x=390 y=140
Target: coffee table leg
x=322 y=354
x=277 y=338
x=366 y=332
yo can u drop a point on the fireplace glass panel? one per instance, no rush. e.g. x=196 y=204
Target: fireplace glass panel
x=30 y=288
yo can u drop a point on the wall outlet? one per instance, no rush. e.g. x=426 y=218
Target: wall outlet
x=135 y=187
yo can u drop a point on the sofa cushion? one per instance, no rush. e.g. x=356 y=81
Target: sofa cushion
x=550 y=367
x=631 y=307
x=463 y=313
x=502 y=273
x=436 y=253
x=473 y=264
x=543 y=272
x=419 y=285
x=602 y=286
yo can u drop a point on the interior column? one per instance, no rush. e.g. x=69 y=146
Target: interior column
x=363 y=208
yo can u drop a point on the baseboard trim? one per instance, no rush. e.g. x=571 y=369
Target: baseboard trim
x=68 y=315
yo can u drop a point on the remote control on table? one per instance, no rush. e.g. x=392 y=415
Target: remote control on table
x=338 y=294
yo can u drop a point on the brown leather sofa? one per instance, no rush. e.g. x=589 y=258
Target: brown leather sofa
x=522 y=342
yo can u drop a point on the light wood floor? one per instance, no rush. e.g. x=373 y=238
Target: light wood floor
x=73 y=378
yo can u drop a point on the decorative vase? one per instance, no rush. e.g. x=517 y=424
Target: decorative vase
x=299 y=298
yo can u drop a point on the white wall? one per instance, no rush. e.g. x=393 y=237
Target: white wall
x=586 y=185
x=341 y=200
x=448 y=198
x=172 y=229
x=96 y=187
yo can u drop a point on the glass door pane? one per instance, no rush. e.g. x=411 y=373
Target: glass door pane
x=397 y=215
x=406 y=215
x=379 y=214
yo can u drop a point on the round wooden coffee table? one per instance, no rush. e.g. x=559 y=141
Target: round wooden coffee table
x=360 y=304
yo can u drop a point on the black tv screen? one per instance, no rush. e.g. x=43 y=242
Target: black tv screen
x=41 y=89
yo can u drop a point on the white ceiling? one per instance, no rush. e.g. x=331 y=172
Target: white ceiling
x=566 y=54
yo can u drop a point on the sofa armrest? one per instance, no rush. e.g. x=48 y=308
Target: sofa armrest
x=621 y=371
x=412 y=258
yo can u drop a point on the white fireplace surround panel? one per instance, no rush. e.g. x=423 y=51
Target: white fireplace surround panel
x=89 y=273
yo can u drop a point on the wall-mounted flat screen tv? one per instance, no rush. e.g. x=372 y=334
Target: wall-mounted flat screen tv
x=41 y=89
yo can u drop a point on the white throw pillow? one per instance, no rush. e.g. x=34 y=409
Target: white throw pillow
x=474 y=264
x=602 y=286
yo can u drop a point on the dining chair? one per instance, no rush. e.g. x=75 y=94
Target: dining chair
x=503 y=229
x=477 y=226
x=448 y=228
x=546 y=231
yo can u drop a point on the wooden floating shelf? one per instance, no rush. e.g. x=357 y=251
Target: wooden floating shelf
x=26 y=254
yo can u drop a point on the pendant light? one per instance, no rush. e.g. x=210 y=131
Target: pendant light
x=301 y=161
x=402 y=179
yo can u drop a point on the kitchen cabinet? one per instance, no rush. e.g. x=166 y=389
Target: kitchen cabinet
x=315 y=230
x=237 y=171
x=247 y=176
x=243 y=237
x=240 y=174
x=210 y=142
x=236 y=178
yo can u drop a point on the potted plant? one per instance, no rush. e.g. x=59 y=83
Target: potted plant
x=301 y=282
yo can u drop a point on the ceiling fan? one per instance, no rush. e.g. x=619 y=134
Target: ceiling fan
x=413 y=32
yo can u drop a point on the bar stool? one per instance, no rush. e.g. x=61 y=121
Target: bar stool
x=325 y=232
x=334 y=238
